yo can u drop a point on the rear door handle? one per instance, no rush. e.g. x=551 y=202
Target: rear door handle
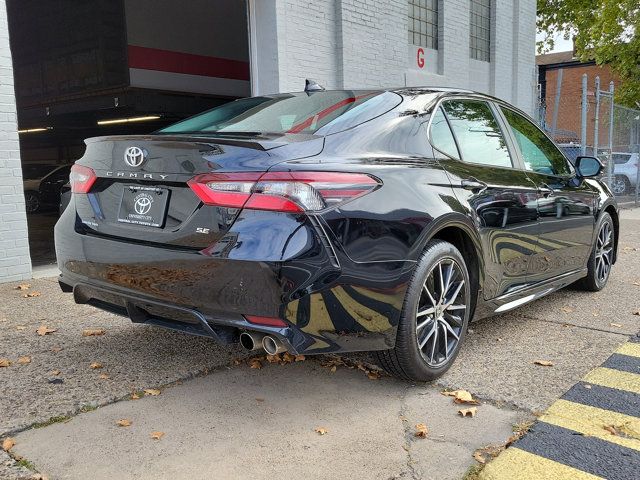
x=545 y=190
x=473 y=184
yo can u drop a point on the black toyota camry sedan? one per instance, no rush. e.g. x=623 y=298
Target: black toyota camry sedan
x=334 y=221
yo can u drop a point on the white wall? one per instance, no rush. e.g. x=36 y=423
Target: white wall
x=364 y=43
x=214 y=29
x=15 y=262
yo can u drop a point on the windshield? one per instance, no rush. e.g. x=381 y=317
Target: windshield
x=34 y=172
x=290 y=113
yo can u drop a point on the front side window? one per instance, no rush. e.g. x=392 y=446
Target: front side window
x=540 y=154
x=480 y=30
x=441 y=136
x=478 y=133
x=423 y=23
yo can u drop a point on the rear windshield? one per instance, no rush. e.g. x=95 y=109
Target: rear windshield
x=291 y=113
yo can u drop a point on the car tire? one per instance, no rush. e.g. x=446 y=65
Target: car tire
x=620 y=185
x=601 y=256
x=31 y=201
x=408 y=360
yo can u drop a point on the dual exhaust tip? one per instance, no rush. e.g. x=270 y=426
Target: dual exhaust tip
x=258 y=341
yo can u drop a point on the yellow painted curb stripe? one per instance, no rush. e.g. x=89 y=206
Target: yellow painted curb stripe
x=516 y=464
x=591 y=421
x=607 y=377
x=629 y=348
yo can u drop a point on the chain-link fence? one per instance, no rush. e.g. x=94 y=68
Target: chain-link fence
x=584 y=120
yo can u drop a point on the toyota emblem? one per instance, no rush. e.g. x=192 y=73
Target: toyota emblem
x=134 y=156
x=143 y=203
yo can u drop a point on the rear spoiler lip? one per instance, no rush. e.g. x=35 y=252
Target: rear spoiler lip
x=263 y=143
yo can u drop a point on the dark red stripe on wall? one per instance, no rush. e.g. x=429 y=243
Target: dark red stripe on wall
x=177 y=62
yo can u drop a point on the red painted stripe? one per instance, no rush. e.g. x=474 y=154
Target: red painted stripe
x=177 y=62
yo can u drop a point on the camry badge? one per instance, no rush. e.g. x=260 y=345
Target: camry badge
x=134 y=156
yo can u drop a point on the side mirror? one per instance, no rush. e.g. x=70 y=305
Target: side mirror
x=588 y=166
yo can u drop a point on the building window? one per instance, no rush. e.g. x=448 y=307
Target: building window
x=480 y=29
x=423 y=23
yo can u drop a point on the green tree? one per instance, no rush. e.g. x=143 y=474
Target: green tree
x=607 y=31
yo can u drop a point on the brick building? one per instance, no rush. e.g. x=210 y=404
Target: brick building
x=101 y=67
x=568 y=118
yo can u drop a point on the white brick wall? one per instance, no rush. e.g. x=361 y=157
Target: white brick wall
x=15 y=262
x=364 y=43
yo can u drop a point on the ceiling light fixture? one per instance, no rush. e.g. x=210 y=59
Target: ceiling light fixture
x=129 y=120
x=35 y=130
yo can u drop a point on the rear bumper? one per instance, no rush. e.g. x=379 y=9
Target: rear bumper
x=328 y=302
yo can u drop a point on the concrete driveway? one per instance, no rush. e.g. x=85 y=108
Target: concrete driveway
x=232 y=421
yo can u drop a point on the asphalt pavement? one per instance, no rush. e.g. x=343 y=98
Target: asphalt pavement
x=220 y=418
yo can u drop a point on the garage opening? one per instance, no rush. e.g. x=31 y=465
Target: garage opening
x=96 y=67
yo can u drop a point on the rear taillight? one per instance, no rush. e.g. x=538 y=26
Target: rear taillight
x=293 y=192
x=81 y=179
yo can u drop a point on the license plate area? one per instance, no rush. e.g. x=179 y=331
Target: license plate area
x=141 y=205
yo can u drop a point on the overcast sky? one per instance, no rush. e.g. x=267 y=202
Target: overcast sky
x=561 y=45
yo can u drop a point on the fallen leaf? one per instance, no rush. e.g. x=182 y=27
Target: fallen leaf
x=8 y=443
x=157 y=435
x=479 y=457
x=300 y=358
x=333 y=369
x=288 y=358
x=104 y=376
x=471 y=411
x=461 y=396
x=23 y=286
x=56 y=349
x=617 y=325
x=543 y=363
x=20 y=327
x=637 y=284
x=31 y=294
x=93 y=332
x=321 y=430
x=124 y=422
x=273 y=358
x=5 y=362
x=237 y=361
x=95 y=365
x=421 y=430
x=255 y=363
x=259 y=399
x=373 y=375
x=567 y=309
x=154 y=392
x=134 y=396
x=611 y=429
x=24 y=360
x=55 y=373
x=44 y=330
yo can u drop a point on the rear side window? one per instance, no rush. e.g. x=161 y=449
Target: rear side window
x=540 y=154
x=477 y=132
x=441 y=136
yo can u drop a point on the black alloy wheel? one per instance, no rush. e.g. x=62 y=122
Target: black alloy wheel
x=435 y=316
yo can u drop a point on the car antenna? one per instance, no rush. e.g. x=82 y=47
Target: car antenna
x=312 y=86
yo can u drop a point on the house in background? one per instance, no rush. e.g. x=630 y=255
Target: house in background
x=564 y=122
